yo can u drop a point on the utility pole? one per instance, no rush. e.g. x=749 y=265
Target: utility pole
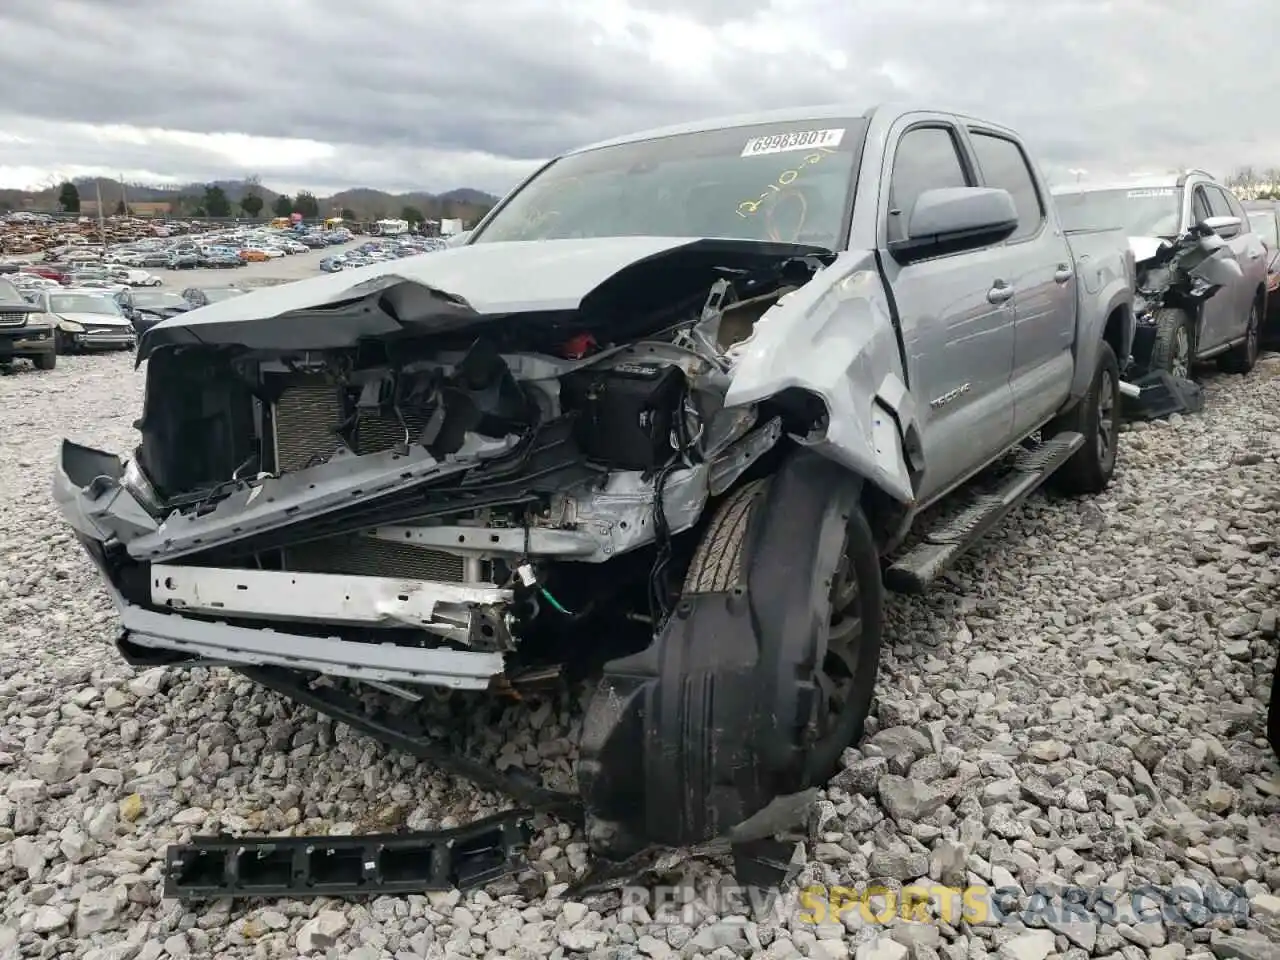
x=102 y=221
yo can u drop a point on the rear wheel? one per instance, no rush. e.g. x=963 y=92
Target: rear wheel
x=1097 y=418
x=1172 y=349
x=1242 y=357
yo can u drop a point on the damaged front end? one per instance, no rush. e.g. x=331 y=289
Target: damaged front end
x=1181 y=274
x=409 y=482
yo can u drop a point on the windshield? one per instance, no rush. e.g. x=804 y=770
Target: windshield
x=1146 y=212
x=789 y=182
x=1264 y=225
x=152 y=299
x=82 y=303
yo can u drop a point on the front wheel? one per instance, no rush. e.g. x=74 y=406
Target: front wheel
x=1242 y=357
x=45 y=361
x=847 y=658
x=1097 y=418
x=1172 y=349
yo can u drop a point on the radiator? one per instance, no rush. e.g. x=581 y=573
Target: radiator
x=306 y=419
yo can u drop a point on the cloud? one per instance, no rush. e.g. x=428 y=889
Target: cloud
x=420 y=94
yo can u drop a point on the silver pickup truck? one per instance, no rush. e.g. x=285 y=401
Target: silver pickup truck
x=679 y=408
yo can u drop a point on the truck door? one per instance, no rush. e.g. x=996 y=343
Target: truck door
x=1043 y=280
x=956 y=312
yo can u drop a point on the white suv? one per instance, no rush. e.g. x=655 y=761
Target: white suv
x=1166 y=207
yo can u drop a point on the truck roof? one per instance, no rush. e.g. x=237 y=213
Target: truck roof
x=818 y=112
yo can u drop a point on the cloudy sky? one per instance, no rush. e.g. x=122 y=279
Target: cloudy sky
x=428 y=94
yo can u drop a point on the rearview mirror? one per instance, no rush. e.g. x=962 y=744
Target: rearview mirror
x=1222 y=226
x=952 y=219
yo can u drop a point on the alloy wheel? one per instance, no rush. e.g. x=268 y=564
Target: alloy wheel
x=1180 y=362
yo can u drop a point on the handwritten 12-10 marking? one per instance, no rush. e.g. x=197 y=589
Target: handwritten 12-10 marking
x=748 y=207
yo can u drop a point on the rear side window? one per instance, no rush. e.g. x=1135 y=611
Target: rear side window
x=1236 y=209
x=926 y=159
x=1218 y=205
x=1004 y=165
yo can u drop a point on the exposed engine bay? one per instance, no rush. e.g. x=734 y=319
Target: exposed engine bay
x=479 y=489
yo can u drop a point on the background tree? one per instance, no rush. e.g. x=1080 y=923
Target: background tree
x=282 y=207
x=251 y=203
x=347 y=214
x=69 y=197
x=412 y=214
x=306 y=204
x=121 y=209
x=215 y=201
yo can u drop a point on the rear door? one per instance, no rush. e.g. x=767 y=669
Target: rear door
x=956 y=311
x=1043 y=278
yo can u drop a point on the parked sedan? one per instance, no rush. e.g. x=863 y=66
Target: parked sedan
x=198 y=297
x=146 y=308
x=87 y=320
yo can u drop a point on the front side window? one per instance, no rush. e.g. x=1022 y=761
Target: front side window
x=926 y=159
x=788 y=182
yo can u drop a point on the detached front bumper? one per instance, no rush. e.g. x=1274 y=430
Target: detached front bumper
x=104 y=339
x=89 y=489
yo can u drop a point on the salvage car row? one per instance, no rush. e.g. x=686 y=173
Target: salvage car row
x=677 y=412
x=38 y=324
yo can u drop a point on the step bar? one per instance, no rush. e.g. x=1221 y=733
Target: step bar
x=918 y=567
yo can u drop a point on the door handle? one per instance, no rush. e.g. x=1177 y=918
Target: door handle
x=1000 y=292
x=1254 y=254
x=1063 y=273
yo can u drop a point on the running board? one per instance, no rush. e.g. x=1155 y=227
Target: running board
x=921 y=565
x=387 y=864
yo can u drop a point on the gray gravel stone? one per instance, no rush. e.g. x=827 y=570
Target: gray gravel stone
x=1080 y=701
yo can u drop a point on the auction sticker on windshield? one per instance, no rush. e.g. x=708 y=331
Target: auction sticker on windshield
x=800 y=140
x=1151 y=192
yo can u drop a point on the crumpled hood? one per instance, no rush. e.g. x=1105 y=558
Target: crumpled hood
x=94 y=319
x=437 y=291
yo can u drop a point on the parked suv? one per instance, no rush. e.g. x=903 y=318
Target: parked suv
x=1151 y=209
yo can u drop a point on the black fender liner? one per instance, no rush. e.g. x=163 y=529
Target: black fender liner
x=701 y=730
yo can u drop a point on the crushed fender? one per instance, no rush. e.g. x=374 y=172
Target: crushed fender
x=386 y=864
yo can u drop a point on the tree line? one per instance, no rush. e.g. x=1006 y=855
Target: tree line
x=1252 y=184
x=215 y=203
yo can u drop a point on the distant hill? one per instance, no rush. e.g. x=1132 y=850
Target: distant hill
x=364 y=202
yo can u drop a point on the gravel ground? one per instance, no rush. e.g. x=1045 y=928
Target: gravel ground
x=1081 y=703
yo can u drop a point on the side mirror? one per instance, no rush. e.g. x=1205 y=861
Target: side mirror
x=1222 y=226
x=952 y=219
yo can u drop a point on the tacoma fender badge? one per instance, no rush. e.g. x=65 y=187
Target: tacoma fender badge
x=950 y=395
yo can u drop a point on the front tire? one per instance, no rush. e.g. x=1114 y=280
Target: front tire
x=1174 y=348
x=1242 y=357
x=1097 y=417
x=45 y=361
x=847 y=664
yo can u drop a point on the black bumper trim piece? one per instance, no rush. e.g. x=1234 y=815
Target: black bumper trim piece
x=374 y=865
